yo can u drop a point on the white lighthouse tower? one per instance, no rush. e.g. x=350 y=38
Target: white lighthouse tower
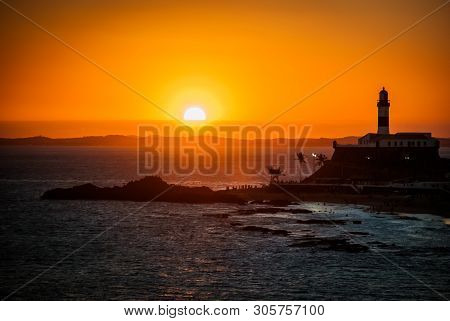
x=383 y=112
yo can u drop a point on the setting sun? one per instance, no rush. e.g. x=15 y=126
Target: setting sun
x=194 y=113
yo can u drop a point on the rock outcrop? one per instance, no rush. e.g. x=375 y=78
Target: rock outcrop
x=150 y=188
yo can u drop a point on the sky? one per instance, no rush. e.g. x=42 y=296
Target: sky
x=241 y=61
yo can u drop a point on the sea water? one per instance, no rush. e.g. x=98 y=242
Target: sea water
x=114 y=250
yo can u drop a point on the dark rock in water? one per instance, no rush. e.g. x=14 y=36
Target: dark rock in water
x=279 y=202
x=218 y=215
x=262 y=210
x=150 y=188
x=356 y=222
x=354 y=248
x=279 y=232
x=382 y=245
x=265 y=230
x=322 y=222
x=271 y=210
x=359 y=233
x=424 y=251
x=275 y=202
x=300 y=211
x=411 y=218
x=335 y=244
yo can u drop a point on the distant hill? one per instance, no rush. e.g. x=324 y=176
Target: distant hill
x=131 y=141
x=111 y=140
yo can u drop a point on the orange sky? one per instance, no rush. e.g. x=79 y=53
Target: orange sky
x=241 y=60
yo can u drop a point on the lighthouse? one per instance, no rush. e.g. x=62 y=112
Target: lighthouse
x=383 y=112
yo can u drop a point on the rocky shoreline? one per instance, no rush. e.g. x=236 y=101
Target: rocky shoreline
x=150 y=188
x=411 y=204
x=153 y=188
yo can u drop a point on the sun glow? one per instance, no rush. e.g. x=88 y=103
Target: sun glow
x=194 y=113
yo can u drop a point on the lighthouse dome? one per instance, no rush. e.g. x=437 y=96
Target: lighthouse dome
x=383 y=94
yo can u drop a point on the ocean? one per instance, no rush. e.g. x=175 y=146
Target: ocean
x=165 y=251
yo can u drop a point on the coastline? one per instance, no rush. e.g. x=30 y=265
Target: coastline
x=376 y=202
x=153 y=188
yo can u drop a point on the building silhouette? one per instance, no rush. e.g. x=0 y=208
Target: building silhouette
x=386 y=157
